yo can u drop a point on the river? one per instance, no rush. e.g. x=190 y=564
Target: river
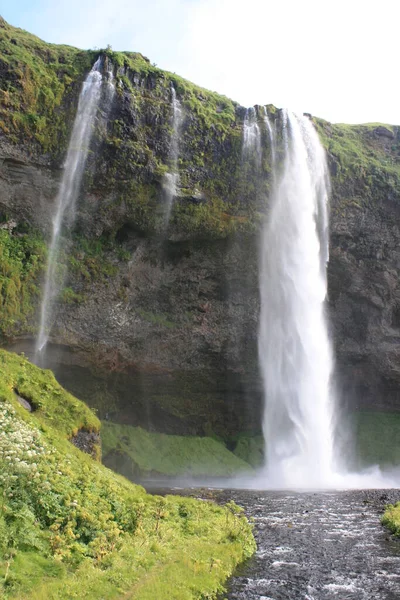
x=318 y=546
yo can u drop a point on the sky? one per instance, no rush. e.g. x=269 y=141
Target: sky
x=336 y=59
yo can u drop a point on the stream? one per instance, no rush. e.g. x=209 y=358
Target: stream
x=318 y=546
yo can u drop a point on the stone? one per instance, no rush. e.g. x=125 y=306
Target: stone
x=384 y=132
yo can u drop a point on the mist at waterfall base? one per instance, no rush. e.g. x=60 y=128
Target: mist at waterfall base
x=69 y=189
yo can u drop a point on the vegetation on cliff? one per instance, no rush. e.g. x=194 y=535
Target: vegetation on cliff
x=37 y=83
x=71 y=528
x=364 y=160
x=21 y=261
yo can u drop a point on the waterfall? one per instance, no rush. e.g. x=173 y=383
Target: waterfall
x=271 y=136
x=252 y=137
x=110 y=90
x=65 y=202
x=294 y=348
x=171 y=179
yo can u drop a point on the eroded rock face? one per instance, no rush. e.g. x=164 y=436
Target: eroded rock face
x=88 y=442
x=365 y=299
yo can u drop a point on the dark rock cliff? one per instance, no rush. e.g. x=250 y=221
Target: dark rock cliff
x=170 y=314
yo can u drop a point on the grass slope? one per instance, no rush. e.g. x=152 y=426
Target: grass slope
x=143 y=453
x=71 y=528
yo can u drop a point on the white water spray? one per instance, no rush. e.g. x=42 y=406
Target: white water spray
x=171 y=179
x=252 y=137
x=65 y=203
x=294 y=348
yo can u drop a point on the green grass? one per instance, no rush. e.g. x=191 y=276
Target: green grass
x=53 y=406
x=140 y=452
x=71 y=528
x=391 y=518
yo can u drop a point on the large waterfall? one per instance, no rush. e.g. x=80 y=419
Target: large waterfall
x=294 y=348
x=69 y=189
x=171 y=179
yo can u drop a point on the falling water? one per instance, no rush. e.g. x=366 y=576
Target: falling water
x=271 y=136
x=69 y=188
x=294 y=348
x=171 y=179
x=252 y=137
x=110 y=89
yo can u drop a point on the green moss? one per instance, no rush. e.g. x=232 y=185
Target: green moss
x=391 y=518
x=362 y=161
x=250 y=448
x=36 y=79
x=157 y=319
x=378 y=437
x=53 y=405
x=89 y=262
x=68 y=296
x=209 y=219
x=141 y=453
x=211 y=108
x=21 y=261
x=70 y=528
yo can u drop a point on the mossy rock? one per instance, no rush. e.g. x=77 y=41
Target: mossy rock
x=139 y=454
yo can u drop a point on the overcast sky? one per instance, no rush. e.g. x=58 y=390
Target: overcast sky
x=338 y=59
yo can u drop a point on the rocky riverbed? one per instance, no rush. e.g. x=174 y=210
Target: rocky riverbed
x=318 y=546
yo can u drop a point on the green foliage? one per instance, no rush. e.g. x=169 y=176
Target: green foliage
x=68 y=296
x=21 y=261
x=143 y=452
x=391 y=518
x=35 y=80
x=209 y=219
x=70 y=528
x=88 y=260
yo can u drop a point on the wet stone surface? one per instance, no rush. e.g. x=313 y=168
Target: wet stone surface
x=318 y=546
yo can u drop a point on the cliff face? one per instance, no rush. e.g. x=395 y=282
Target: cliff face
x=171 y=312
x=364 y=266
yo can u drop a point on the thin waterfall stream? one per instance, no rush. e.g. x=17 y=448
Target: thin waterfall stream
x=69 y=189
x=171 y=179
x=252 y=137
